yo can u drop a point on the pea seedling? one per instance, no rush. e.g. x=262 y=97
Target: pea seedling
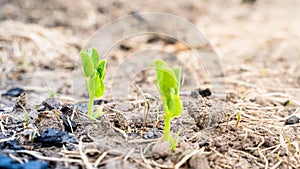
x=169 y=87
x=93 y=71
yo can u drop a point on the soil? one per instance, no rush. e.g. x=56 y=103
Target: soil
x=256 y=124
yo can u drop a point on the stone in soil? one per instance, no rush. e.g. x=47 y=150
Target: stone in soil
x=201 y=92
x=161 y=149
x=52 y=104
x=14 y=92
x=199 y=161
x=292 y=120
x=55 y=137
x=69 y=125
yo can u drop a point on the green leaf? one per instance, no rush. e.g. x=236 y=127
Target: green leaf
x=175 y=107
x=95 y=56
x=97 y=87
x=102 y=85
x=165 y=76
x=177 y=72
x=87 y=64
x=169 y=86
x=99 y=81
x=101 y=69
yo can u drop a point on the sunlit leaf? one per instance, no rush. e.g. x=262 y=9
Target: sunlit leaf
x=87 y=64
x=101 y=69
x=95 y=57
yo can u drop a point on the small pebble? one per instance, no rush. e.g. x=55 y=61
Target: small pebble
x=292 y=120
x=155 y=132
x=149 y=135
x=55 y=137
x=14 y=92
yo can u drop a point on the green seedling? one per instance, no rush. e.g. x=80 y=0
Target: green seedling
x=238 y=118
x=168 y=83
x=51 y=93
x=26 y=115
x=93 y=71
x=289 y=143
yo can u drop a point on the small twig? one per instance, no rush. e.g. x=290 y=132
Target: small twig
x=7 y=139
x=16 y=158
x=148 y=146
x=100 y=158
x=139 y=141
x=144 y=159
x=70 y=124
x=139 y=162
x=276 y=165
x=147 y=106
x=265 y=159
x=84 y=158
x=245 y=153
x=121 y=131
x=160 y=165
x=184 y=159
x=41 y=157
x=130 y=152
x=2 y=128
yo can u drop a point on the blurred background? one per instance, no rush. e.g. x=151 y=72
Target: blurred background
x=258 y=42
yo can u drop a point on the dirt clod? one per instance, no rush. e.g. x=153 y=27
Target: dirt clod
x=52 y=104
x=160 y=149
x=201 y=92
x=49 y=119
x=55 y=137
x=199 y=161
x=292 y=120
x=119 y=164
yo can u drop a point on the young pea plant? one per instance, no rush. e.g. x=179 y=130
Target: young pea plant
x=93 y=71
x=168 y=81
x=26 y=115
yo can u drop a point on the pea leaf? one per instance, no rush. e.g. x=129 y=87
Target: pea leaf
x=101 y=69
x=99 y=86
x=95 y=56
x=165 y=76
x=169 y=87
x=175 y=107
x=87 y=64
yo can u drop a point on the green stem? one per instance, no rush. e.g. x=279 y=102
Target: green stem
x=91 y=97
x=91 y=105
x=167 y=129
